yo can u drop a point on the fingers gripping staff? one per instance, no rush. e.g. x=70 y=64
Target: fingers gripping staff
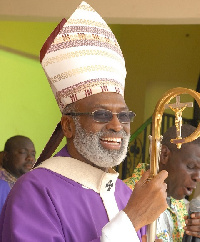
x=141 y=209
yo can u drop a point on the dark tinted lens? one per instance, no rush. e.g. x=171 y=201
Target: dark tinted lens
x=102 y=116
x=126 y=117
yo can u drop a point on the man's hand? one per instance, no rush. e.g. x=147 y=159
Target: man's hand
x=148 y=200
x=193 y=225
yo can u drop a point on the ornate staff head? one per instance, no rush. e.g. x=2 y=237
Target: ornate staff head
x=178 y=108
x=156 y=138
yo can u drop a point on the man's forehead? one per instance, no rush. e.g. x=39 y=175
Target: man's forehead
x=21 y=142
x=190 y=146
x=105 y=98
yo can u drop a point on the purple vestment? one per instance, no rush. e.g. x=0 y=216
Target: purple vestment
x=44 y=206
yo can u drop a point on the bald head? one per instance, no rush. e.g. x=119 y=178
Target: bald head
x=19 y=155
x=15 y=141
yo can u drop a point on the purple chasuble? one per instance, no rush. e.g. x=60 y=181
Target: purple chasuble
x=45 y=206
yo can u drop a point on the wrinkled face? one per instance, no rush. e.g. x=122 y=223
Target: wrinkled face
x=183 y=171
x=20 y=158
x=102 y=143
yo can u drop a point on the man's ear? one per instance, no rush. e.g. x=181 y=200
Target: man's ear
x=68 y=126
x=164 y=155
x=5 y=155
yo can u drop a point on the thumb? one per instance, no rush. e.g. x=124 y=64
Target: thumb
x=144 y=238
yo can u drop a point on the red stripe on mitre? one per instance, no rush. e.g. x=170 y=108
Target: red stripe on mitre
x=51 y=38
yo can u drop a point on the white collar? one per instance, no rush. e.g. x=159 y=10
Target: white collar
x=88 y=176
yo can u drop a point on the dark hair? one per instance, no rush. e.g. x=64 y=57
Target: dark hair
x=70 y=108
x=186 y=130
x=9 y=143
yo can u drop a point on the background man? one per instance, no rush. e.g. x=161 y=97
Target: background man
x=18 y=158
x=183 y=166
x=77 y=196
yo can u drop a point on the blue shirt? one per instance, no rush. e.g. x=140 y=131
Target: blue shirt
x=4 y=190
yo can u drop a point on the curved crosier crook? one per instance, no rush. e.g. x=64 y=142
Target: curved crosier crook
x=156 y=137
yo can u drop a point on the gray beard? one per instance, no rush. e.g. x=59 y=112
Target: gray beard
x=88 y=145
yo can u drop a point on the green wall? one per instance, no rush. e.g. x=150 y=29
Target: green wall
x=27 y=104
x=27 y=37
x=158 y=58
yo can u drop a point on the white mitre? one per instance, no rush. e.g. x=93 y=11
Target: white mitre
x=82 y=57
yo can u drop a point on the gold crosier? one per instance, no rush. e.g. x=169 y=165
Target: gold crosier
x=156 y=138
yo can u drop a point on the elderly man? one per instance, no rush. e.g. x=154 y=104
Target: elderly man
x=183 y=167
x=76 y=196
x=18 y=158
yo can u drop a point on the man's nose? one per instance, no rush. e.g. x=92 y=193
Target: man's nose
x=196 y=176
x=114 y=124
x=30 y=157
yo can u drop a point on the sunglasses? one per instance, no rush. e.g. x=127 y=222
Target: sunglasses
x=104 y=116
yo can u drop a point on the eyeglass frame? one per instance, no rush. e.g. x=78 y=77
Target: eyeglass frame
x=92 y=114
